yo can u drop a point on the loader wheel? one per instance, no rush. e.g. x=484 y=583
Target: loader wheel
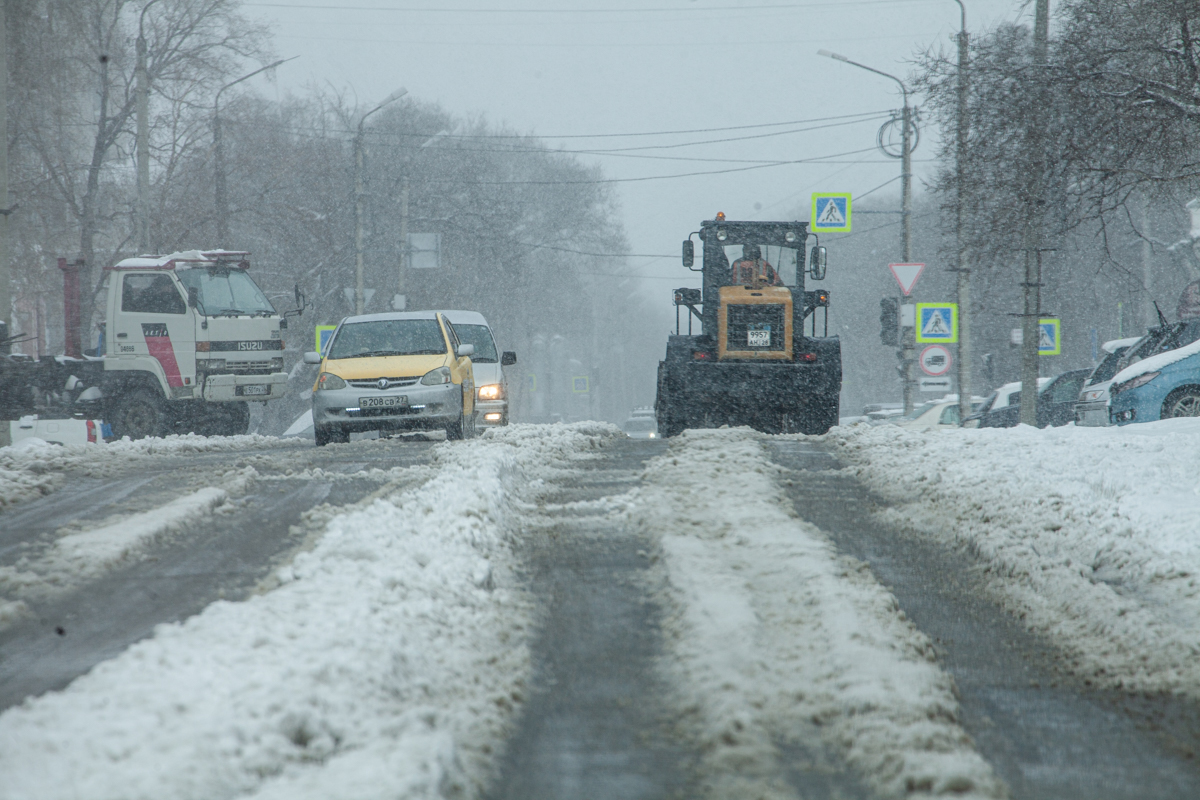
x=818 y=417
x=138 y=416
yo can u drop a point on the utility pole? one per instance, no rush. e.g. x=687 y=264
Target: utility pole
x=142 y=232
x=1033 y=223
x=402 y=277
x=908 y=353
x=359 y=296
x=5 y=211
x=963 y=267
x=222 y=199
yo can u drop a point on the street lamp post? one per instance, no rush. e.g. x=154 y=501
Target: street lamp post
x=402 y=276
x=219 y=154
x=906 y=149
x=143 y=138
x=358 y=200
x=963 y=267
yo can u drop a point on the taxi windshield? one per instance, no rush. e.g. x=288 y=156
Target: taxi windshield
x=388 y=337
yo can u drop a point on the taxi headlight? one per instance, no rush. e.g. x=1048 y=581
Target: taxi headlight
x=327 y=380
x=489 y=392
x=436 y=377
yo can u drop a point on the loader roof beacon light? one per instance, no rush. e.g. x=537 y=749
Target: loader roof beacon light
x=754 y=360
x=720 y=216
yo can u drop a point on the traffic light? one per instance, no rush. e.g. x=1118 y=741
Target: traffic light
x=889 y=321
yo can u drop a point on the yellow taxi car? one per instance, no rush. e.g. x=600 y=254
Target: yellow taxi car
x=399 y=371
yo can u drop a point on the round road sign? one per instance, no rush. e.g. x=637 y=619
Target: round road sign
x=935 y=360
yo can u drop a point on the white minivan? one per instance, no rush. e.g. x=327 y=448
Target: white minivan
x=491 y=390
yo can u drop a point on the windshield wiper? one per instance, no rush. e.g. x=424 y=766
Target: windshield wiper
x=230 y=312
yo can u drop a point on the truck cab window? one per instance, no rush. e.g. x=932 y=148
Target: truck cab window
x=151 y=294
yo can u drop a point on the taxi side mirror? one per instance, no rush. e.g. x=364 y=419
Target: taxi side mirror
x=312 y=357
x=466 y=350
x=508 y=358
x=689 y=253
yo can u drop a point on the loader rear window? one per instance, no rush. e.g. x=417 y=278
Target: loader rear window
x=150 y=293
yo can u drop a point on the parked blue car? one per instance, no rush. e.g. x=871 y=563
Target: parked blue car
x=1162 y=386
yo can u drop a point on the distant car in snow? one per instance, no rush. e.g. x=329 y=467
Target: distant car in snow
x=641 y=424
x=1091 y=410
x=942 y=413
x=491 y=388
x=1001 y=409
x=1163 y=386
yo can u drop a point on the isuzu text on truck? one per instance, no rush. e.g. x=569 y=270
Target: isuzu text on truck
x=189 y=339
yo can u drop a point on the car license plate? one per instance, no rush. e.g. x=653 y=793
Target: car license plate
x=255 y=389
x=381 y=402
x=758 y=338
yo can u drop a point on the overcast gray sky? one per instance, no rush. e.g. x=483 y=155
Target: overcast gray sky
x=565 y=70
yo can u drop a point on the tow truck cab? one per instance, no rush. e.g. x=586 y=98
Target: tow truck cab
x=196 y=324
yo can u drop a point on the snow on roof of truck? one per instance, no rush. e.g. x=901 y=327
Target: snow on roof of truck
x=187 y=259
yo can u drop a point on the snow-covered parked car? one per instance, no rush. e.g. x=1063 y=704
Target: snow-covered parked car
x=58 y=431
x=1056 y=402
x=935 y=414
x=1091 y=409
x=1162 y=386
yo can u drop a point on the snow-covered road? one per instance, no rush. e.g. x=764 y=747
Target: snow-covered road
x=557 y=611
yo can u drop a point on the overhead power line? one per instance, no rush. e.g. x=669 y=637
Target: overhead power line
x=569 y=11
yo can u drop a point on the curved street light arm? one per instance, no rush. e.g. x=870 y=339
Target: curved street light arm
x=391 y=98
x=839 y=57
x=273 y=65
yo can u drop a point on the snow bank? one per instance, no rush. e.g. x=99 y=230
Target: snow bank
x=32 y=467
x=1090 y=534
x=778 y=639
x=387 y=665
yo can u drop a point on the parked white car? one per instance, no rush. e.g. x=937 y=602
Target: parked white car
x=491 y=388
x=1092 y=408
x=57 y=431
x=942 y=413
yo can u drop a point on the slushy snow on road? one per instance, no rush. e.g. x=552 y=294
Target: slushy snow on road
x=388 y=663
x=1089 y=534
x=778 y=639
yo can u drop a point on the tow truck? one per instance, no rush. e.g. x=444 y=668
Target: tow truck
x=188 y=340
x=751 y=363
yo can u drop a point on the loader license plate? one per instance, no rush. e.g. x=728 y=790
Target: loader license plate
x=254 y=389
x=381 y=402
x=758 y=338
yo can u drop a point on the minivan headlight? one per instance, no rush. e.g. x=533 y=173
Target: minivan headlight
x=327 y=380
x=489 y=392
x=1133 y=383
x=436 y=377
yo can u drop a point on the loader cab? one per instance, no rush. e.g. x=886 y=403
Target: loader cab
x=757 y=319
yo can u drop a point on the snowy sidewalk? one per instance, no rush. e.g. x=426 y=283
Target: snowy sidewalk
x=1092 y=535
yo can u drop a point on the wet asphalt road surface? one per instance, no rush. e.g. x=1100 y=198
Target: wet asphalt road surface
x=595 y=726
x=1044 y=732
x=226 y=557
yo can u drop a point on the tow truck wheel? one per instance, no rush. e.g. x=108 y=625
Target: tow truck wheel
x=234 y=419
x=138 y=415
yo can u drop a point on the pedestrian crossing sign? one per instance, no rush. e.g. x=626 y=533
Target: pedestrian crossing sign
x=1049 y=337
x=830 y=212
x=937 y=322
x=323 y=334
x=579 y=384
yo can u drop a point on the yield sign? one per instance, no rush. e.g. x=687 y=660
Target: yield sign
x=906 y=275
